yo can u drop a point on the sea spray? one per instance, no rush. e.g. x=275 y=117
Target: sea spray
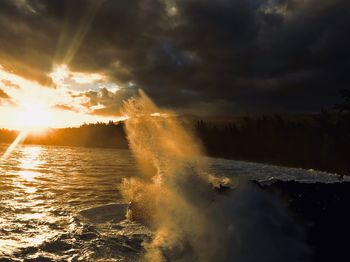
x=174 y=196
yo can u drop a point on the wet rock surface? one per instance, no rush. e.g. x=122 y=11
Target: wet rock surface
x=323 y=210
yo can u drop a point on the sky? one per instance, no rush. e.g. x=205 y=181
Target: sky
x=70 y=62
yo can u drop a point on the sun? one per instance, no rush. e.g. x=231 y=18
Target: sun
x=33 y=118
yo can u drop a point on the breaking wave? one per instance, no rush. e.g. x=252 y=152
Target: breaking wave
x=175 y=195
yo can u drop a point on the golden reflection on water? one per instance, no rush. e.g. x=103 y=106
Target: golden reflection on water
x=29 y=163
x=25 y=206
x=28 y=175
x=42 y=191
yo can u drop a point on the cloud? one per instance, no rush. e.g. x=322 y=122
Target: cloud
x=64 y=107
x=104 y=102
x=4 y=95
x=255 y=55
x=9 y=84
x=5 y=99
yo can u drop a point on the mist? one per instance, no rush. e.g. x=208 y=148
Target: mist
x=174 y=195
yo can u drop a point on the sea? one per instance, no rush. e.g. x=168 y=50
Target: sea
x=62 y=203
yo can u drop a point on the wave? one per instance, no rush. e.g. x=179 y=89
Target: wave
x=191 y=221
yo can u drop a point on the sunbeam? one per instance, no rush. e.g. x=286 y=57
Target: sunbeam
x=82 y=29
x=22 y=135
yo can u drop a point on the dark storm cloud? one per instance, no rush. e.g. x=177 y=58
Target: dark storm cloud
x=237 y=56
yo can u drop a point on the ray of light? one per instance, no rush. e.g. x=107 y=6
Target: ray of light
x=14 y=144
x=82 y=29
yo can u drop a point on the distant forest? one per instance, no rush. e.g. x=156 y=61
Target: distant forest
x=321 y=141
x=88 y=135
x=315 y=141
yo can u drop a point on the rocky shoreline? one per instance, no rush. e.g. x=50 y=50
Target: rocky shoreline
x=323 y=210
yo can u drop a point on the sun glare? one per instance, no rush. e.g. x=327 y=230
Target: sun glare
x=33 y=118
x=59 y=74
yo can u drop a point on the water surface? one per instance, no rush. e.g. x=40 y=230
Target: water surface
x=42 y=191
x=44 y=188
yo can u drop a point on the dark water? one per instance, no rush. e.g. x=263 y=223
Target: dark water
x=43 y=190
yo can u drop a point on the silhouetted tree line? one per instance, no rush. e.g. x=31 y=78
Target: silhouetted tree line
x=88 y=135
x=7 y=136
x=320 y=141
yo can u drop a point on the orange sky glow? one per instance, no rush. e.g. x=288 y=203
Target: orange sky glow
x=28 y=105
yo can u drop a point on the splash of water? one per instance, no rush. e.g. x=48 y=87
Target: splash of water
x=174 y=195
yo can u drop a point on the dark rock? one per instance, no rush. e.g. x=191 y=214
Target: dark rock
x=324 y=210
